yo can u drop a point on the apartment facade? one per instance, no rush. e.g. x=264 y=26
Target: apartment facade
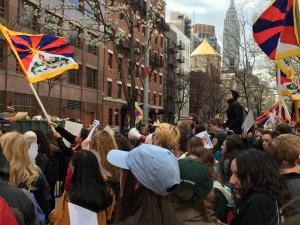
x=177 y=74
x=115 y=109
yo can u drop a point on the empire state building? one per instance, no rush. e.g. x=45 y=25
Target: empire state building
x=231 y=38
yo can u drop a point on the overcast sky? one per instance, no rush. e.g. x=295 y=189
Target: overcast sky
x=210 y=12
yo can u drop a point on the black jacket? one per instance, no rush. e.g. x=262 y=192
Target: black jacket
x=293 y=183
x=235 y=114
x=257 y=209
x=70 y=138
x=21 y=205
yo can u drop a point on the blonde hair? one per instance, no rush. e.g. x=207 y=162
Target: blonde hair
x=22 y=170
x=184 y=127
x=168 y=136
x=103 y=142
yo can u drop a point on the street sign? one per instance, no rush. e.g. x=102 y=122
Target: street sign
x=146 y=71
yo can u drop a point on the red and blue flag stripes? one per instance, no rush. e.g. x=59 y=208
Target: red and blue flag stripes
x=275 y=30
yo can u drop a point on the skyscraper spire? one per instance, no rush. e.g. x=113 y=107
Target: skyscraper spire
x=232 y=4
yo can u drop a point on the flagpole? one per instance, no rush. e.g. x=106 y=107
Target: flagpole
x=279 y=92
x=41 y=105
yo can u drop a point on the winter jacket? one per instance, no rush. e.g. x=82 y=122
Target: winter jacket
x=42 y=161
x=223 y=201
x=257 y=209
x=20 y=204
x=6 y=215
x=293 y=182
x=41 y=192
x=235 y=114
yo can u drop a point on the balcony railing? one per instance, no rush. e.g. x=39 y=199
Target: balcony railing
x=180 y=59
x=180 y=46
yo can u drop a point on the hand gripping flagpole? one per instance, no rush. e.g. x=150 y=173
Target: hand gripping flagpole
x=41 y=105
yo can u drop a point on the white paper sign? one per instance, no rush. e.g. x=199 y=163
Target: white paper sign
x=248 y=122
x=207 y=142
x=73 y=128
x=81 y=216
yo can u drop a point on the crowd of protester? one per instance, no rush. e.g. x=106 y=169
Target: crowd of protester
x=169 y=177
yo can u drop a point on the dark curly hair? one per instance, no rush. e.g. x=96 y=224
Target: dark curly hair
x=257 y=172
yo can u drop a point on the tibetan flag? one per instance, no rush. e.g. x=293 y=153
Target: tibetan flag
x=266 y=114
x=285 y=77
x=283 y=114
x=276 y=30
x=285 y=66
x=261 y=120
x=40 y=56
x=138 y=113
x=295 y=114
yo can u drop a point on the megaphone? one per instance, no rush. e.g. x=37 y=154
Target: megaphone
x=134 y=135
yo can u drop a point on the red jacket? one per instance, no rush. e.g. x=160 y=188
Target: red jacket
x=6 y=215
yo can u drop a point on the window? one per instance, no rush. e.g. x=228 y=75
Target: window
x=121 y=62
x=74 y=76
x=144 y=30
x=117 y=117
x=1 y=54
x=75 y=39
x=2 y=8
x=160 y=79
x=159 y=100
x=76 y=4
x=156 y=39
x=121 y=16
x=161 y=41
x=110 y=60
x=53 y=24
x=154 y=98
x=25 y=103
x=110 y=116
x=91 y=77
x=155 y=77
x=142 y=96
x=18 y=68
x=109 y=88
x=161 y=61
x=129 y=90
x=2 y=99
x=119 y=91
x=138 y=27
x=92 y=48
x=128 y=69
x=149 y=97
x=137 y=71
x=73 y=105
x=26 y=17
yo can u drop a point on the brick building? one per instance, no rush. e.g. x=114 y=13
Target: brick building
x=76 y=94
x=115 y=109
x=93 y=91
